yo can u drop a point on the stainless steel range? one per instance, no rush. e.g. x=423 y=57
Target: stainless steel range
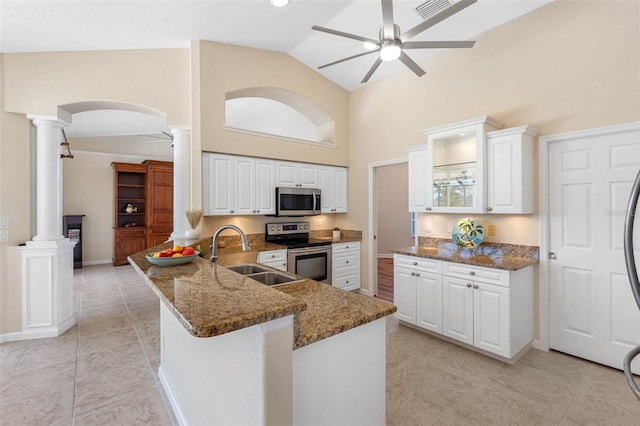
x=306 y=256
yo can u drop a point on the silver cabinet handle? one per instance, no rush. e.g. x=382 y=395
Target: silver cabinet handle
x=475 y=286
x=347 y=262
x=468 y=284
x=471 y=273
x=415 y=263
x=231 y=211
x=489 y=209
x=413 y=274
x=347 y=281
x=417 y=274
x=428 y=209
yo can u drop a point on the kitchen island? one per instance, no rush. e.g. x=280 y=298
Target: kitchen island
x=234 y=351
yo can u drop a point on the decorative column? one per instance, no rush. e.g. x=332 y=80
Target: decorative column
x=47 y=260
x=181 y=180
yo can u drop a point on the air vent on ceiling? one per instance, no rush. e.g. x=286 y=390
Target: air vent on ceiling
x=429 y=8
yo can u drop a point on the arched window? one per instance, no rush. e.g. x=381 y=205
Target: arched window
x=278 y=112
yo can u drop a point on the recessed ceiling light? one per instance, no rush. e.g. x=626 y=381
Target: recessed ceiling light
x=279 y=3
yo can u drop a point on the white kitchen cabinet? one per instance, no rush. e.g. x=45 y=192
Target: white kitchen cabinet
x=417 y=284
x=233 y=185
x=333 y=183
x=274 y=258
x=345 y=265
x=296 y=175
x=455 y=161
x=419 y=194
x=510 y=170
x=488 y=308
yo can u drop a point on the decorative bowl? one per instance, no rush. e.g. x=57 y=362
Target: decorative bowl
x=468 y=233
x=172 y=261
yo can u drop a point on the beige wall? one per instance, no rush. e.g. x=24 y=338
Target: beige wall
x=564 y=67
x=223 y=68
x=394 y=219
x=40 y=82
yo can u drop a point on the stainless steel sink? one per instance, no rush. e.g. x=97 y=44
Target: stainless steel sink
x=263 y=275
x=247 y=269
x=273 y=278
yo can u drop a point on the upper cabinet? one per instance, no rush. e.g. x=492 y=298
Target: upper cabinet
x=333 y=184
x=510 y=170
x=448 y=173
x=296 y=175
x=237 y=185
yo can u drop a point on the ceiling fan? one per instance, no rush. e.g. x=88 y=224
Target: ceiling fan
x=392 y=42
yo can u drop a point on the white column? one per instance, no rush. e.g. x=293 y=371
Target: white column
x=181 y=180
x=48 y=183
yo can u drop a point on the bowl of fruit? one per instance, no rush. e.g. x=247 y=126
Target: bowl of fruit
x=177 y=255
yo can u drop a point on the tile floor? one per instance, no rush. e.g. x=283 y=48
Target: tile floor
x=103 y=371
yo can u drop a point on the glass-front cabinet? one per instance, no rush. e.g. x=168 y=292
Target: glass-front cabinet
x=447 y=174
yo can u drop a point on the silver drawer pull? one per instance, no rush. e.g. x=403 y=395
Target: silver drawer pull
x=415 y=263
x=413 y=274
x=475 y=286
x=468 y=284
x=347 y=262
x=417 y=274
x=471 y=273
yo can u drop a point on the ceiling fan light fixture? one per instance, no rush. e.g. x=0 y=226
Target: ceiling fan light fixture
x=390 y=50
x=279 y=3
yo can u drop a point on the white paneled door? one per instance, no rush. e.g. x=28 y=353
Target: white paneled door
x=593 y=312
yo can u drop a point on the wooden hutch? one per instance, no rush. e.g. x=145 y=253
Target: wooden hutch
x=143 y=206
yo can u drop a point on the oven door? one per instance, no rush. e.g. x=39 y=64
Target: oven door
x=311 y=262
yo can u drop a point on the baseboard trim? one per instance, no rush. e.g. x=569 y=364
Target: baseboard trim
x=96 y=262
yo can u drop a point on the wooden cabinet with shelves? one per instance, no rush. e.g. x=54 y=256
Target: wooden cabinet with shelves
x=143 y=206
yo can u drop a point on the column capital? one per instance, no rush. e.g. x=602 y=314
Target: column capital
x=180 y=130
x=51 y=120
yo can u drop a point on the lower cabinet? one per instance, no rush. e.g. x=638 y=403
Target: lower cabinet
x=128 y=241
x=274 y=258
x=417 y=293
x=490 y=309
x=345 y=265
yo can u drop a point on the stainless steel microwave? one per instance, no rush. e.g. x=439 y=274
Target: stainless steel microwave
x=298 y=201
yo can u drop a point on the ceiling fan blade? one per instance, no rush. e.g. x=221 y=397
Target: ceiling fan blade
x=373 y=69
x=346 y=59
x=387 y=19
x=437 y=44
x=451 y=10
x=343 y=34
x=405 y=59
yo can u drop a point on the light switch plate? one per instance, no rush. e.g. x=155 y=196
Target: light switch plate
x=426 y=226
x=4 y=236
x=4 y=222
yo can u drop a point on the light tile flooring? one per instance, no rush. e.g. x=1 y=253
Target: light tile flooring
x=103 y=371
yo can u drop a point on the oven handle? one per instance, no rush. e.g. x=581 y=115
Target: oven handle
x=310 y=250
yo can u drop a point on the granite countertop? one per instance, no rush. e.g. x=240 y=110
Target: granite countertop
x=208 y=299
x=488 y=256
x=341 y=240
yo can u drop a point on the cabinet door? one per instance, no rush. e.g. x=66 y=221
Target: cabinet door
x=287 y=174
x=404 y=294
x=244 y=185
x=491 y=318
x=127 y=243
x=160 y=196
x=340 y=190
x=457 y=309
x=217 y=189
x=326 y=184
x=308 y=175
x=429 y=301
x=265 y=186
x=510 y=172
x=419 y=175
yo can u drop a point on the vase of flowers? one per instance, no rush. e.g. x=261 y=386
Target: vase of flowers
x=193 y=217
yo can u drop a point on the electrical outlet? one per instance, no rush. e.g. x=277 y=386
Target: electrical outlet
x=426 y=226
x=449 y=227
x=4 y=236
x=491 y=230
x=4 y=222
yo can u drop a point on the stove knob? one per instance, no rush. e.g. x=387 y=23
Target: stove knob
x=305 y=227
x=272 y=228
x=278 y=228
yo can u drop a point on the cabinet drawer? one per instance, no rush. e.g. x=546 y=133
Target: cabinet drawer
x=272 y=256
x=347 y=282
x=278 y=264
x=346 y=260
x=344 y=247
x=414 y=262
x=477 y=273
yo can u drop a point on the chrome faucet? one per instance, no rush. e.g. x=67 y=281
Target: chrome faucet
x=214 y=243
